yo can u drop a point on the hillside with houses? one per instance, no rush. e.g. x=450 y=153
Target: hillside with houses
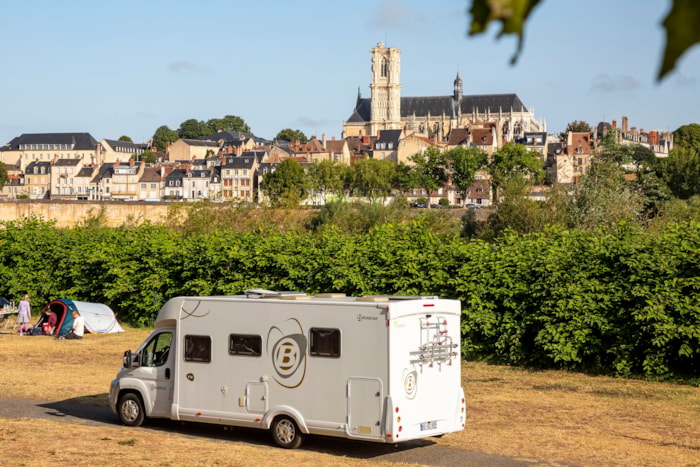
x=229 y=166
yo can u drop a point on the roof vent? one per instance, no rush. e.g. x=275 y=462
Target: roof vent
x=373 y=298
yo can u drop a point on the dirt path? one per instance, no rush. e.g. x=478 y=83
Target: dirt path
x=424 y=452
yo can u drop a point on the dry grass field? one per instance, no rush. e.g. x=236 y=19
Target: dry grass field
x=556 y=418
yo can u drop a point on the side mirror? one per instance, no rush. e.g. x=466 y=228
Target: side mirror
x=127 y=359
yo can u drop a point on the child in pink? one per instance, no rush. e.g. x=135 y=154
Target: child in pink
x=24 y=315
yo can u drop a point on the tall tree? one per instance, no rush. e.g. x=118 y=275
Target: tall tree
x=681 y=172
x=687 y=136
x=328 y=178
x=228 y=123
x=193 y=129
x=287 y=186
x=291 y=135
x=148 y=156
x=577 y=126
x=514 y=159
x=373 y=178
x=429 y=169
x=462 y=166
x=603 y=196
x=164 y=136
x=4 y=177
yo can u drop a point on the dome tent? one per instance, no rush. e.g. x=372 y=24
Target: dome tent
x=99 y=318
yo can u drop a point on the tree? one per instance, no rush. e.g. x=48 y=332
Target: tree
x=125 y=138
x=4 y=177
x=681 y=172
x=513 y=14
x=687 y=136
x=193 y=129
x=327 y=178
x=228 y=123
x=291 y=135
x=148 y=156
x=429 y=169
x=164 y=136
x=513 y=159
x=577 y=126
x=287 y=186
x=372 y=178
x=462 y=166
x=603 y=196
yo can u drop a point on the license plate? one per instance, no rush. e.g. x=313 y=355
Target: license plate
x=428 y=425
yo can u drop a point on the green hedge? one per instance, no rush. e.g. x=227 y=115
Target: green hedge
x=616 y=300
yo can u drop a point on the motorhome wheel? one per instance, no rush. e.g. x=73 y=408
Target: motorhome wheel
x=286 y=433
x=130 y=409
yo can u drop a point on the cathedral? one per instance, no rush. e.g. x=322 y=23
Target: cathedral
x=433 y=117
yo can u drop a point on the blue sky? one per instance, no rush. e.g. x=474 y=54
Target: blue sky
x=126 y=68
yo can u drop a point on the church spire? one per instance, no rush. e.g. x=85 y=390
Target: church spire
x=458 y=88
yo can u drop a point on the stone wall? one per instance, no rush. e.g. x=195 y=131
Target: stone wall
x=71 y=213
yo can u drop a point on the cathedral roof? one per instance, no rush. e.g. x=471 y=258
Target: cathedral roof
x=439 y=105
x=362 y=112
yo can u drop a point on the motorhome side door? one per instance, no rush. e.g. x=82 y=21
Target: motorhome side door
x=365 y=399
x=156 y=371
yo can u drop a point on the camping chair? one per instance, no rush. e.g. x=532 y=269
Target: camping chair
x=8 y=321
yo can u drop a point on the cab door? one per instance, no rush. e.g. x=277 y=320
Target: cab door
x=156 y=371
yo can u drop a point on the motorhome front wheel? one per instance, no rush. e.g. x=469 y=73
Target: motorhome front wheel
x=130 y=410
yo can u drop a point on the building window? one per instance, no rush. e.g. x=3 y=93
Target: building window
x=198 y=349
x=324 y=342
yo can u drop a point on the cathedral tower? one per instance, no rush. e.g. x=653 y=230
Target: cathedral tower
x=385 y=89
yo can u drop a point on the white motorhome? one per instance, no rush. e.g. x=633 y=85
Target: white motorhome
x=375 y=368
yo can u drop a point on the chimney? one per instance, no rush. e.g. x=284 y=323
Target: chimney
x=625 y=122
x=614 y=123
x=323 y=140
x=131 y=162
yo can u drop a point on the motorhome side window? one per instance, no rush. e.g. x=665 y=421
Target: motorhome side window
x=198 y=349
x=156 y=351
x=324 y=342
x=245 y=344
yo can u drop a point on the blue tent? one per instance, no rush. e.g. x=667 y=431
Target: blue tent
x=99 y=318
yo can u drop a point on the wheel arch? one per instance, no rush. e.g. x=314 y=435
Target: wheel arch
x=294 y=414
x=137 y=387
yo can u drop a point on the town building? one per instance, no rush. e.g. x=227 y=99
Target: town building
x=44 y=147
x=433 y=117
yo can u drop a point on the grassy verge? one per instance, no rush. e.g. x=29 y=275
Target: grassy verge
x=552 y=416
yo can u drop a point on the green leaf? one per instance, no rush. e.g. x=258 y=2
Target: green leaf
x=511 y=13
x=681 y=32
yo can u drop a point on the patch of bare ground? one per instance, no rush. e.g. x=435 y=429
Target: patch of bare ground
x=557 y=417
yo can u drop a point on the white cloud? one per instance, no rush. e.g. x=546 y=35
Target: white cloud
x=607 y=83
x=185 y=66
x=684 y=81
x=396 y=15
